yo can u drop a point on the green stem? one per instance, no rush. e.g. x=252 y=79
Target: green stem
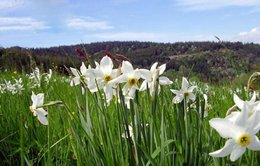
x=21 y=141
x=186 y=130
x=49 y=149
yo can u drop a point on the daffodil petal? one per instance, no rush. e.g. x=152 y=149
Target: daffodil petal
x=39 y=99
x=75 y=81
x=185 y=84
x=153 y=67
x=175 y=91
x=75 y=72
x=146 y=74
x=254 y=144
x=83 y=69
x=205 y=98
x=226 y=150
x=143 y=86
x=253 y=98
x=239 y=103
x=242 y=118
x=190 y=89
x=162 y=69
x=237 y=152
x=92 y=86
x=164 y=80
x=131 y=93
x=119 y=79
x=224 y=127
x=106 y=64
x=256 y=126
x=125 y=89
x=41 y=115
x=126 y=67
x=192 y=96
x=233 y=116
x=178 y=99
x=108 y=92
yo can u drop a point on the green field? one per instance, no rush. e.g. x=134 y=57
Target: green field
x=84 y=130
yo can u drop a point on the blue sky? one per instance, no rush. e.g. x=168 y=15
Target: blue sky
x=45 y=23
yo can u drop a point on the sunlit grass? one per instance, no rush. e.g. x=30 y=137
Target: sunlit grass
x=85 y=130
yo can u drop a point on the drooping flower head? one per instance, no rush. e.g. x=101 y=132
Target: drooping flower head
x=36 y=108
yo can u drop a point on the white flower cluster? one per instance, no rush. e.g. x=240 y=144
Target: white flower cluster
x=36 y=78
x=239 y=128
x=105 y=77
x=15 y=88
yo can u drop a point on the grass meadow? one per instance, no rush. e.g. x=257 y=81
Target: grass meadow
x=84 y=130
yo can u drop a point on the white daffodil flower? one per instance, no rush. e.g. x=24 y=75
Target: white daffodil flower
x=252 y=106
x=241 y=134
x=35 y=75
x=18 y=86
x=103 y=74
x=150 y=77
x=130 y=77
x=184 y=92
x=36 y=108
x=207 y=106
x=79 y=76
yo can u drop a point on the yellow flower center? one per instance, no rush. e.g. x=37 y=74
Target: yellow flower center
x=31 y=109
x=132 y=81
x=244 y=140
x=186 y=94
x=250 y=113
x=107 y=78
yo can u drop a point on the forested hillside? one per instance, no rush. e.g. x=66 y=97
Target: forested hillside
x=210 y=61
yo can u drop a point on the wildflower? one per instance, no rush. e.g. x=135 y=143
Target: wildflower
x=18 y=86
x=36 y=78
x=36 y=108
x=103 y=74
x=207 y=106
x=150 y=77
x=7 y=86
x=241 y=134
x=47 y=76
x=130 y=77
x=252 y=106
x=79 y=76
x=185 y=92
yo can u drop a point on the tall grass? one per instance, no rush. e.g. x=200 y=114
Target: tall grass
x=84 y=130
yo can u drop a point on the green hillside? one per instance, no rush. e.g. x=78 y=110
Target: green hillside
x=209 y=61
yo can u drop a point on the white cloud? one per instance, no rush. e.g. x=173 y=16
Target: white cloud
x=211 y=4
x=7 y=4
x=21 y=23
x=141 y=36
x=250 y=36
x=88 y=24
